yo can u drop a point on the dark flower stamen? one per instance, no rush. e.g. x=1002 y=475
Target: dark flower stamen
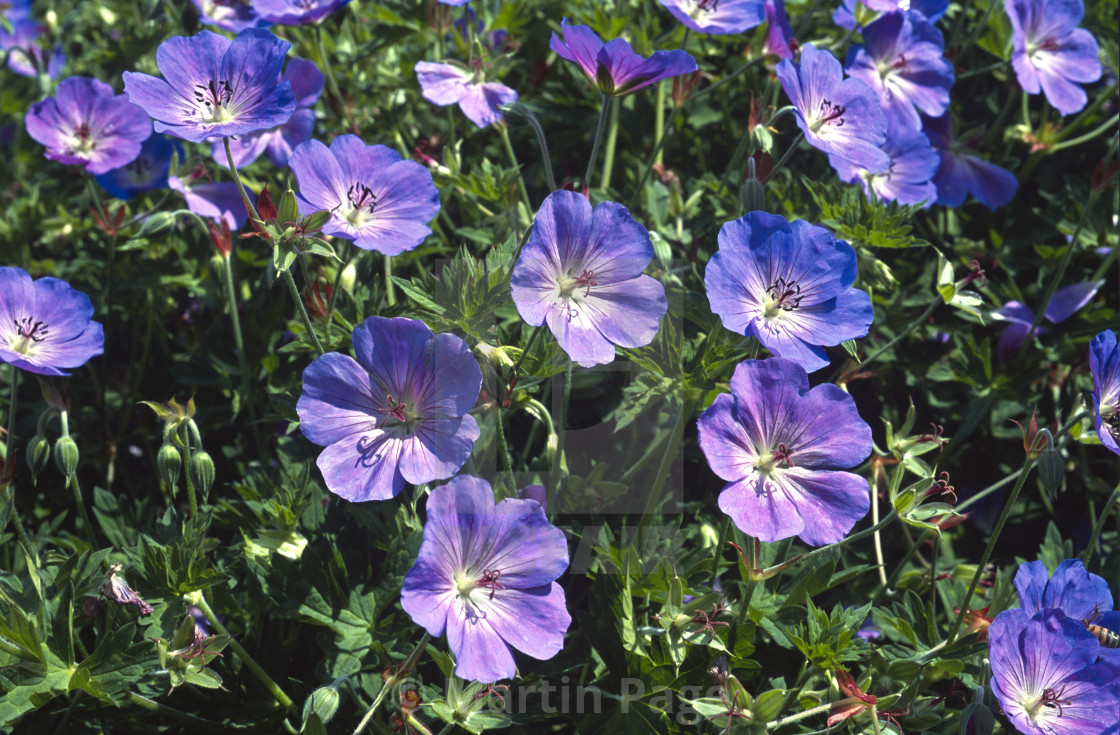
x=782 y=456
x=28 y=329
x=490 y=581
x=832 y=114
x=213 y=94
x=362 y=197
x=587 y=278
x=1050 y=698
x=708 y=6
x=786 y=295
x=396 y=410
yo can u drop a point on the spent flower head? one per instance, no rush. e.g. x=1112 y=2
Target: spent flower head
x=789 y=284
x=86 y=124
x=397 y=414
x=45 y=325
x=486 y=575
x=378 y=201
x=782 y=447
x=27 y=55
x=962 y=173
x=581 y=273
x=215 y=87
x=1066 y=301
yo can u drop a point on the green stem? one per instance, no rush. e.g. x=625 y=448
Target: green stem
x=1052 y=287
x=9 y=458
x=904 y=333
x=653 y=502
x=561 y=432
x=516 y=167
x=348 y=250
x=163 y=709
x=252 y=210
x=199 y=600
x=503 y=446
x=307 y=325
x=723 y=530
x=1095 y=132
x=544 y=148
x=725 y=80
x=390 y=291
x=612 y=139
x=659 y=121
x=777 y=568
x=818 y=710
x=1087 y=112
x=604 y=108
x=991 y=545
x=785 y=155
x=1112 y=500
x=402 y=672
x=654 y=158
x=528 y=346
x=331 y=82
x=239 y=345
x=73 y=483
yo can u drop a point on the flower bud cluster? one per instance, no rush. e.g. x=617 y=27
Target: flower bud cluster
x=182 y=444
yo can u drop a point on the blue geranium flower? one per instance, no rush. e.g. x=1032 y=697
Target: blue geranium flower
x=146 y=172
x=45 y=325
x=1050 y=53
x=962 y=173
x=486 y=575
x=215 y=200
x=844 y=16
x=1065 y=303
x=377 y=200
x=1075 y=591
x=1104 y=363
x=838 y=116
x=581 y=273
x=909 y=178
x=448 y=84
x=717 y=16
x=397 y=414
x=613 y=67
x=279 y=142
x=296 y=12
x=781 y=447
x=229 y=16
x=26 y=54
x=789 y=284
x=216 y=87
x=86 y=124
x=902 y=60
x=1046 y=676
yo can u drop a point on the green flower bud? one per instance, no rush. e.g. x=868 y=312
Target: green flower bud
x=1051 y=469
x=38 y=454
x=66 y=456
x=323 y=702
x=170 y=464
x=752 y=195
x=201 y=470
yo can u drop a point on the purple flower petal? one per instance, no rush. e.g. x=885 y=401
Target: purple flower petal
x=1104 y=363
x=717 y=16
x=213 y=200
x=45 y=324
x=297 y=12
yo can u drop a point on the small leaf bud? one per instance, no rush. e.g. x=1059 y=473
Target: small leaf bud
x=38 y=454
x=170 y=464
x=202 y=472
x=1051 y=469
x=66 y=456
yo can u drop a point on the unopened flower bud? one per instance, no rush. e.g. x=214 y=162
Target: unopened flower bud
x=38 y=454
x=1051 y=469
x=977 y=717
x=201 y=470
x=323 y=702
x=66 y=456
x=170 y=464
